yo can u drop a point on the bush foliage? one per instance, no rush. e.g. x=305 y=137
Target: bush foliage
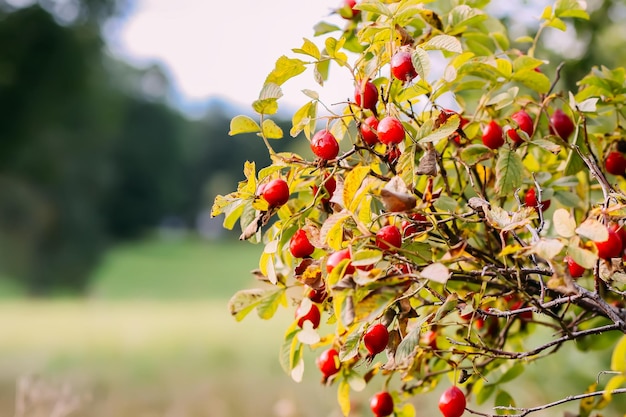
x=510 y=219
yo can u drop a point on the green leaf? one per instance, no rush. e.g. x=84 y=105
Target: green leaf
x=532 y=79
x=331 y=231
x=271 y=130
x=245 y=301
x=582 y=257
x=322 y=28
x=304 y=120
x=243 y=124
x=427 y=135
x=444 y=43
x=285 y=69
x=287 y=355
x=557 y=24
x=483 y=391
x=574 y=163
x=511 y=373
x=509 y=171
x=350 y=348
x=475 y=153
x=308 y=48
x=618 y=359
x=333 y=49
x=525 y=62
x=421 y=62
x=503 y=399
x=268 y=305
x=408 y=344
x=364 y=257
x=375 y=7
x=570 y=8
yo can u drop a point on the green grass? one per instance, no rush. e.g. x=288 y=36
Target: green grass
x=152 y=358
x=189 y=268
x=154 y=338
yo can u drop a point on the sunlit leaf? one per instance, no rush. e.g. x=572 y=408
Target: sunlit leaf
x=267 y=302
x=343 y=396
x=475 y=153
x=594 y=230
x=285 y=69
x=444 y=43
x=421 y=62
x=582 y=257
x=308 y=48
x=352 y=183
x=564 y=223
x=509 y=171
x=618 y=358
x=243 y=124
x=436 y=272
x=271 y=130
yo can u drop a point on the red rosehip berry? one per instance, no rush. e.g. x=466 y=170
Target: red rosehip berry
x=524 y=123
x=409 y=227
x=615 y=163
x=452 y=402
x=328 y=362
x=393 y=155
x=430 y=339
x=492 y=135
x=610 y=248
x=390 y=130
x=324 y=145
x=275 y=192
x=368 y=130
x=621 y=232
x=299 y=245
x=366 y=95
x=402 y=66
x=575 y=270
x=389 y=238
x=530 y=198
x=313 y=315
x=336 y=257
x=561 y=124
x=376 y=339
x=381 y=404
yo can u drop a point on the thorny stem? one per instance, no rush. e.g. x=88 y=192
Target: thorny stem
x=526 y=411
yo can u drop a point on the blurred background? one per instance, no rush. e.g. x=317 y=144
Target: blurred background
x=113 y=144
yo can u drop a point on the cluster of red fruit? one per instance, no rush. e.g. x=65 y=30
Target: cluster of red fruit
x=493 y=134
x=613 y=247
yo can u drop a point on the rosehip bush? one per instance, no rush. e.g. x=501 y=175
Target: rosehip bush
x=430 y=230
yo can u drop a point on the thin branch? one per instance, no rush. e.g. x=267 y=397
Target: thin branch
x=525 y=411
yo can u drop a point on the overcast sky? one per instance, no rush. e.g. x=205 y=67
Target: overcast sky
x=222 y=48
x=226 y=48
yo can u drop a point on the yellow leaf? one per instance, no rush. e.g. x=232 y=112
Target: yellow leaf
x=353 y=182
x=618 y=360
x=343 y=397
x=271 y=130
x=243 y=124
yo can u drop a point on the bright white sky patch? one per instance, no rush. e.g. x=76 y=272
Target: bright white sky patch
x=221 y=48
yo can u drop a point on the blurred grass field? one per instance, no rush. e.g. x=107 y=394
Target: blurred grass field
x=154 y=338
